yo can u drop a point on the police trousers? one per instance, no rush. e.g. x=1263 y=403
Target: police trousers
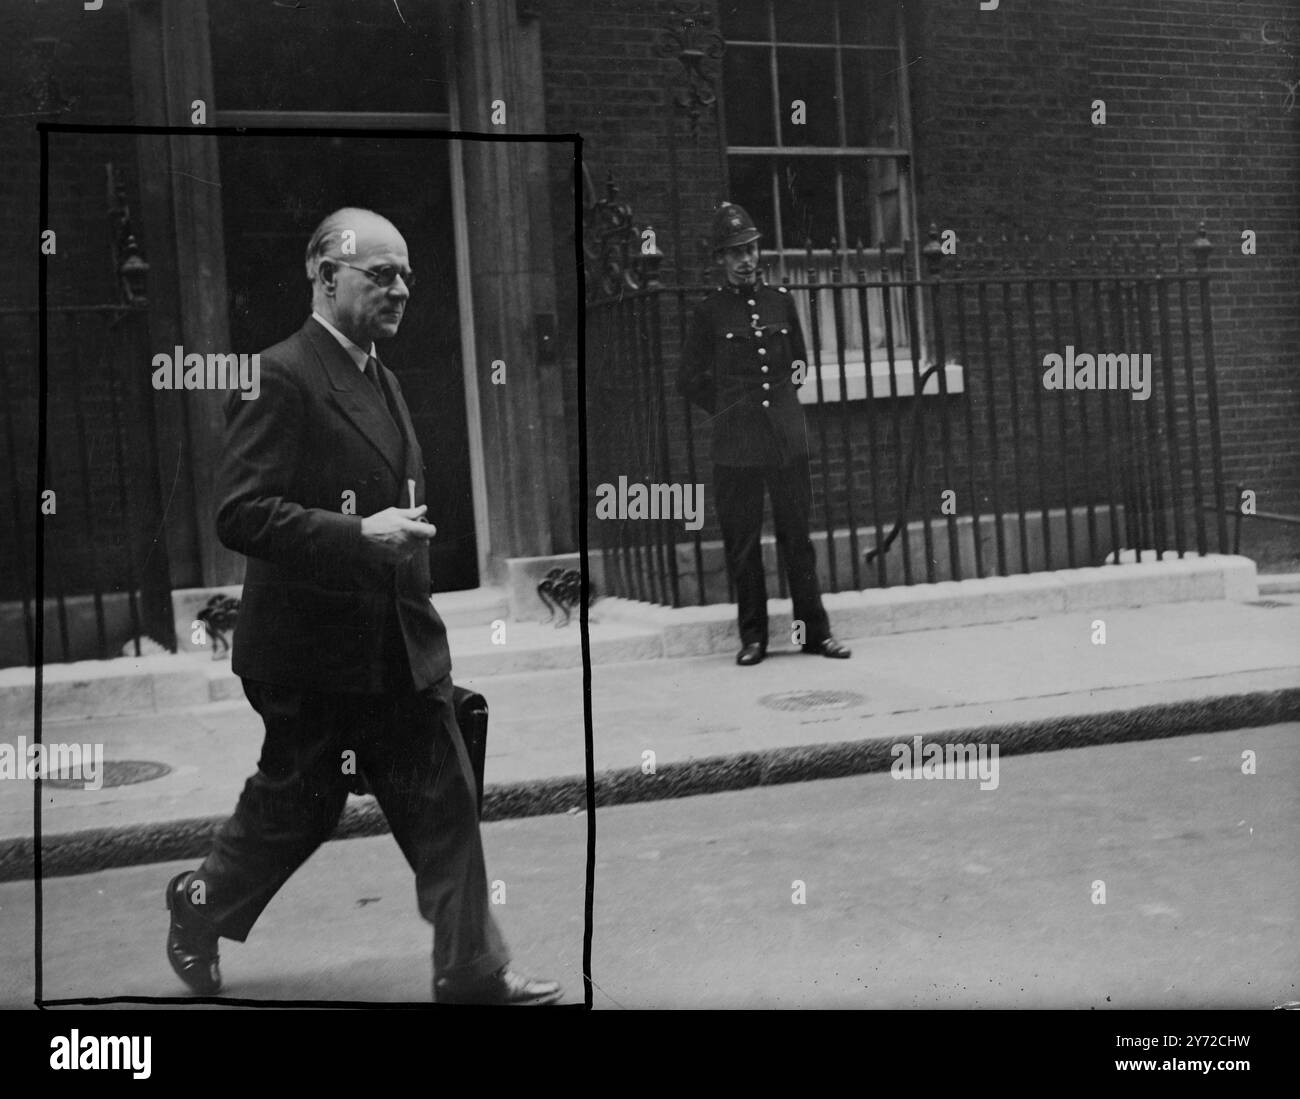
x=740 y=491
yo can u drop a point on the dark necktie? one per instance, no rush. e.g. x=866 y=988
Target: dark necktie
x=372 y=375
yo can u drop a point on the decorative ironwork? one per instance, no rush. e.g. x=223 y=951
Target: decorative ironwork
x=698 y=47
x=130 y=268
x=219 y=615
x=1028 y=447
x=561 y=590
x=618 y=255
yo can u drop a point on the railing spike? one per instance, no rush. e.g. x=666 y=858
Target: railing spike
x=1201 y=246
x=932 y=251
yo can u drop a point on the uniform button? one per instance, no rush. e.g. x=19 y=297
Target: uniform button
x=766 y=385
x=767 y=404
x=753 y=316
x=731 y=336
x=751 y=302
x=785 y=331
x=764 y=370
x=762 y=350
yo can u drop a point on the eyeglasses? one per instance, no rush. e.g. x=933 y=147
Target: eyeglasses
x=384 y=276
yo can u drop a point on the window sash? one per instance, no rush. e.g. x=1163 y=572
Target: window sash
x=838 y=48
x=789 y=258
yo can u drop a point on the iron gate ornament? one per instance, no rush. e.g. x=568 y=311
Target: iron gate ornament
x=698 y=47
x=618 y=256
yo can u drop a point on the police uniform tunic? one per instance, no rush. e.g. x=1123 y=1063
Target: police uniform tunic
x=742 y=350
x=738 y=365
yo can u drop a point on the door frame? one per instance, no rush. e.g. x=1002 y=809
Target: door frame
x=171 y=64
x=434 y=122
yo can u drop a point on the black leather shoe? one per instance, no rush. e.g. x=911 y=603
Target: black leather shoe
x=191 y=943
x=751 y=654
x=830 y=647
x=504 y=989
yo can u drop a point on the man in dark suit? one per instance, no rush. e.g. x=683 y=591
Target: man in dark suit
x=738 y=365
x=338 y=645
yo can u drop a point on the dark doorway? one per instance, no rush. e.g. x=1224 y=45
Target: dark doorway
x=274 y=192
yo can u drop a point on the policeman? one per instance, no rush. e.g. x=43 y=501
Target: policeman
x=738 y=365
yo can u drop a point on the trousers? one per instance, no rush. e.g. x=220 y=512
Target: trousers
x=739 y=491
x=411 y=751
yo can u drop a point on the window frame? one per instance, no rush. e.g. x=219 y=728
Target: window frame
x=903 y=257
x=902 y=154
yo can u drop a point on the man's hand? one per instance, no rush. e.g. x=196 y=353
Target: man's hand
x=396 y=533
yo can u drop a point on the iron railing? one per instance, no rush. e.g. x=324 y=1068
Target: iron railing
x=98 y=513
x=988 y=472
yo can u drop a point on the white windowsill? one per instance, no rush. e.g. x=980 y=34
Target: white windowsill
x=856 y=380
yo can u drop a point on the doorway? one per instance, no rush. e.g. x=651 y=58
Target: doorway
x=274 y=192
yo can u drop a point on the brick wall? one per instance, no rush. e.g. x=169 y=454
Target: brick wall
x=67 y=66
x=1198 y=126
x=605 y=79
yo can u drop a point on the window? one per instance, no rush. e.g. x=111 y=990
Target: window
x=816 y=121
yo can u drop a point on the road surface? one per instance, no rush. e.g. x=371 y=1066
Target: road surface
x=918 y=893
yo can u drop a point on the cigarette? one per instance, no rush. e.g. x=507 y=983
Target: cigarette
x=410 y=488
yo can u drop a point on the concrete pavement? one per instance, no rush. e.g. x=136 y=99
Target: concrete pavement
x=671 y=727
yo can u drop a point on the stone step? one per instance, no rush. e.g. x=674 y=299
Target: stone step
x=623 y=631
x=168 y=682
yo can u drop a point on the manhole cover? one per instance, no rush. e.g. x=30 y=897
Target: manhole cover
x=117 y=772
x=1268 y=604
x=812 y=700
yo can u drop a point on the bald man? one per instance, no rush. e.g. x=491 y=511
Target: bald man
x=338 y=646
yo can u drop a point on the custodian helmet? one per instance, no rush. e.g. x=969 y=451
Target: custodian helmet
x=732 y=225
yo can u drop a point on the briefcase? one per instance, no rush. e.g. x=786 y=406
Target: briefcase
x=472 y=717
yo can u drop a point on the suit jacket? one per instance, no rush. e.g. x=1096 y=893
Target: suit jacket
x=737 y=364
x=320 y=611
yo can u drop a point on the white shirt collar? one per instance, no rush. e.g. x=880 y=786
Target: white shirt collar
x=358 y=355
